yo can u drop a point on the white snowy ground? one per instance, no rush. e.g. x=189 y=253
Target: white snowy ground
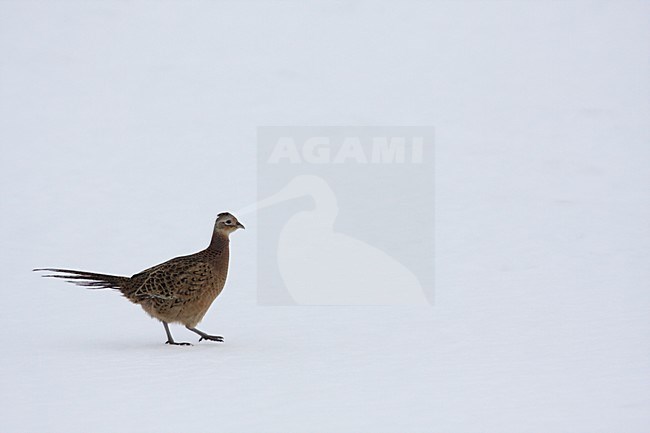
x=126 y=127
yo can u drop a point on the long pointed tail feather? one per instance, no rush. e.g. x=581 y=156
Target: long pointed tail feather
x=90 y=280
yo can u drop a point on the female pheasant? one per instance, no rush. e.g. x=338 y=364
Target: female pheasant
x=179 y=290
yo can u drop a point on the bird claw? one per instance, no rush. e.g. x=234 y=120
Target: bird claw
x=218 y=338
x=173 y=343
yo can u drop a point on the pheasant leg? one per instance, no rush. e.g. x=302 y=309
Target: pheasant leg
x=205 y=336
x=170 y=339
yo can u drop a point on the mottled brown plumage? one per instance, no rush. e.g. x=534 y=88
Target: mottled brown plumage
x=177 y=291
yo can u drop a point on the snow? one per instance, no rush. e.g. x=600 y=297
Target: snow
x=126 y=127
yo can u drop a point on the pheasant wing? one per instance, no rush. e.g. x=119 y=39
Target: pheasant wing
x=176 y=279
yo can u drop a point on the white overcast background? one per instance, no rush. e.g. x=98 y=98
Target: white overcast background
x=127 y=126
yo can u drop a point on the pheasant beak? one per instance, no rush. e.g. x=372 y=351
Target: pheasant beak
x=240 y=225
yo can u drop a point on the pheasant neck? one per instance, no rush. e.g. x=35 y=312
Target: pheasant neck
x=219 y=242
